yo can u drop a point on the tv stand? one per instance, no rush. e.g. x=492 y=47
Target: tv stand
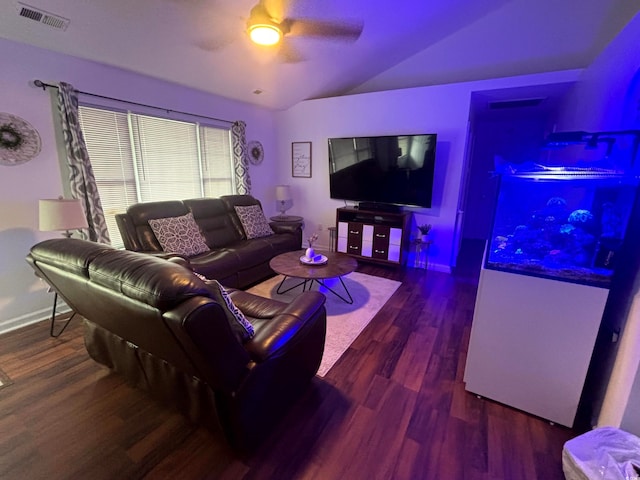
x=373 y=235
x=379 y=207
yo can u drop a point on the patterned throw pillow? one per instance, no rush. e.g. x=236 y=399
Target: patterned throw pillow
x=253 y=221
x=239 y=323
x=179 y=235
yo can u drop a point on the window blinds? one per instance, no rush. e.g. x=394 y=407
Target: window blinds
x=141 y=158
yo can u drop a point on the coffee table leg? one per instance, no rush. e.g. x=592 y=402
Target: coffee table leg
x=350 y=301
x=278 y=290
x=319 y=282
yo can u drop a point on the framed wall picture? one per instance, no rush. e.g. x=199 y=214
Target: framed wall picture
x=301 y=159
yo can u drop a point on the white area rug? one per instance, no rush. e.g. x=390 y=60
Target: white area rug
x=344 y=321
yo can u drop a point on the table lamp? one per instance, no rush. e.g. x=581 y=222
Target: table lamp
x=61 y=214
x=283 y=199
x=64 y=215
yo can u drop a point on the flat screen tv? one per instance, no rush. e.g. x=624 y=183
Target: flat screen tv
x=392 y=169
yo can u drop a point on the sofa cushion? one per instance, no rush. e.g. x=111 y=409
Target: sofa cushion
x=68 y=255
x=137 y=234
x=145 y=278
x=215 y=221
x=253 y=221
x=218 y=264
x=179 y=235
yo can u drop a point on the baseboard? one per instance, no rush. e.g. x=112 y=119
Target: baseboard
x=432 y=267
x=30 y=318
x=437 y=267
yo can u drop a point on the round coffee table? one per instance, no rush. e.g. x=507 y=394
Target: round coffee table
x=338 y=264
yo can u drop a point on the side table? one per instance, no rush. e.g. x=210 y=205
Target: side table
x=288 y=220
x=421 y=250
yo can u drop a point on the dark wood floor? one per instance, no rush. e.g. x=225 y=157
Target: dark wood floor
x=393 y=407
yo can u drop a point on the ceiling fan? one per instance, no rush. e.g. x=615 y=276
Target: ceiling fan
x=269 y=24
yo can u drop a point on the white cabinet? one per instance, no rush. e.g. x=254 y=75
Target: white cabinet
x=531 y=342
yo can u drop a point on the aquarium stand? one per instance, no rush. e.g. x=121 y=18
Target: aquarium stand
x=531 y=342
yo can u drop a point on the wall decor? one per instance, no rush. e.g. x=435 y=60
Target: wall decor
x=19 y=141
x=301 y=159
x=256 y=152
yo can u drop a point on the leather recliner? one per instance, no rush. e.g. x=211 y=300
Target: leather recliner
x=158 y=325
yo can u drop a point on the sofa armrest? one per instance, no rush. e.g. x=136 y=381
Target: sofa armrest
x=255 y=306
x=279 y=334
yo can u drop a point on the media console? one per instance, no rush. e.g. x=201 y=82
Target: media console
x=375 y=236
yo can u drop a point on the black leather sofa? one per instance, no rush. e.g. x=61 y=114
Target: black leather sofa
x=233 y=260
x=158 y=324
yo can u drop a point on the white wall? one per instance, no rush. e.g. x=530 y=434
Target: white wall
x=23 y=298
x=442 y=109
x=603 y=99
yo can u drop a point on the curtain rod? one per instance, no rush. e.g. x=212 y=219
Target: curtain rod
x=41 y=84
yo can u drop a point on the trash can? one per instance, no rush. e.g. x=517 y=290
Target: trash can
x=605 y=453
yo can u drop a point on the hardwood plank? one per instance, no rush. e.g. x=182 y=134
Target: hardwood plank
x=414 y=360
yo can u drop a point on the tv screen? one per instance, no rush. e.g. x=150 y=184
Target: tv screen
x=392 y=169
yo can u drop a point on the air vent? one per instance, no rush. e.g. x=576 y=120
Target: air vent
x=40 y=16
x=526 y=102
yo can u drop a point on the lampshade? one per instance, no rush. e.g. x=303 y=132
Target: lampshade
x=283 y=193
x=61 y=214
x=283 y=199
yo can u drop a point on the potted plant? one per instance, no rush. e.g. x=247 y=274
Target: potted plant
x=424 y=231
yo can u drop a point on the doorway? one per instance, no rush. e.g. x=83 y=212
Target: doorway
x=506 y=127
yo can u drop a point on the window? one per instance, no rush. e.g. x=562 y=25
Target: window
x=140 y=158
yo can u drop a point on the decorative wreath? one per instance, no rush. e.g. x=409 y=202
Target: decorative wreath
x=256 y=152
x=19 y=141
x=10 y=137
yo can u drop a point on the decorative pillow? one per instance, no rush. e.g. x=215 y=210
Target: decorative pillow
x=179 y=235
x=253 y=221
x=239 y=323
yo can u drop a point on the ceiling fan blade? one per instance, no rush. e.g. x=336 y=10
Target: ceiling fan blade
x=340 y=30
x=277 y=9
x=214 y=44
x=289 y=54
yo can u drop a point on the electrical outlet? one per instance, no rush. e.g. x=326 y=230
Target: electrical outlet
x=320 y=227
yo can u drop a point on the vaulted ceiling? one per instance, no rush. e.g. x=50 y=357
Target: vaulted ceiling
x=404 y=43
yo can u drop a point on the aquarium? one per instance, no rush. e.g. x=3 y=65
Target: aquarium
x=564 y=227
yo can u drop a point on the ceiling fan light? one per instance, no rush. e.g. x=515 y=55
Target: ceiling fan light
x=265 y=34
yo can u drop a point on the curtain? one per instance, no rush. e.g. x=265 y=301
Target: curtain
x=240 y=161
x=81 y=178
